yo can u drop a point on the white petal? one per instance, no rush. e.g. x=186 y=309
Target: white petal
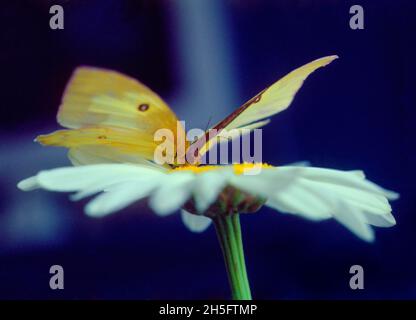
x=353 y=179
x=194 y=222
x=79 y=178
x=300 y=199
x=118 y=197
x=385 y=220
x=359 y=198
x=207 y=187
x=29 y=184
x=175 y=190
x=354 y=220
x=93 y=190
x=104 y=185
x=267 y=183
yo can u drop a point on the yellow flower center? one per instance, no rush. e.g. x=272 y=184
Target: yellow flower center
x=239 y=168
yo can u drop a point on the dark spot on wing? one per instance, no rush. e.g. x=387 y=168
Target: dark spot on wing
x=102 y=137
x=143 y=107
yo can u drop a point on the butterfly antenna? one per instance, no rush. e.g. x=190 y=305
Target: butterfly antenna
x=209 y=121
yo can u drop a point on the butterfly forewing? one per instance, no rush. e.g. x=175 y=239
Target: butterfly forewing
x=107 y=98
x=115 y=112
x=268 y=102
x=277 y=97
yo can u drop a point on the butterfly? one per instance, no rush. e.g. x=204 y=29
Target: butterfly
x=111 y=117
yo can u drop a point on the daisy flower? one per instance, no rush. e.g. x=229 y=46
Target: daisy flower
x=220 y=193
x=202 y=192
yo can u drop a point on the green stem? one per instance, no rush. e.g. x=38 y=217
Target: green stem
x=229 y=235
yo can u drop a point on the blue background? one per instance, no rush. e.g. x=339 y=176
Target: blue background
x=206 y=58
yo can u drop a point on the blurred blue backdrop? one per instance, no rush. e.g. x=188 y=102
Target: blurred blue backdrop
x=206 y=58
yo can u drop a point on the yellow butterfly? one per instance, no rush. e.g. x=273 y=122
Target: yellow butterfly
x=113 y=118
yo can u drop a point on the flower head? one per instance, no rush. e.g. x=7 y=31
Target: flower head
x=313 y=193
